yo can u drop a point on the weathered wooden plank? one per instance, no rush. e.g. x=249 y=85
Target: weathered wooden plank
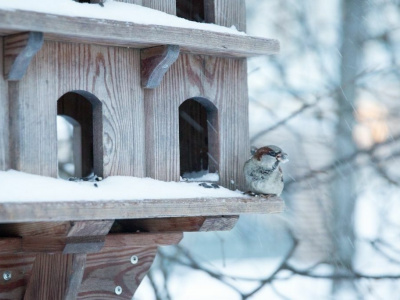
x=136 y=35
x=110 y=274
x=13 y=212
x=10 y=245
x=19 y=268
x=155 y=62
x=19 y=49
x=168 y=6
x=142 y=240
x=50 y=277
x=90 y=228
x=226 y=13
x=223 y=223
x=4 y=132
x=75 y=278
x=223 y=82
x=35 y=229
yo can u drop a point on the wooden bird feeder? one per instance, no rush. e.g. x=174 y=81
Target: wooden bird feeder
x=151 y=100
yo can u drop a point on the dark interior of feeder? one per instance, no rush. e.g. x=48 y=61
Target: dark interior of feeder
x=82 y=111
x=192 y=10
x=198 y=137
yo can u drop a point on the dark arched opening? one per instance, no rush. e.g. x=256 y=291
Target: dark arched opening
x=82 y=110
x=198 y=138
x=191 y=10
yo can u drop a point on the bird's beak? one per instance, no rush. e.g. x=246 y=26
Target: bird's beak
x=282 y=157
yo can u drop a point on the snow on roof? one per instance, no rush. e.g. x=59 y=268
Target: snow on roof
x=112 y=10
x=19 y=186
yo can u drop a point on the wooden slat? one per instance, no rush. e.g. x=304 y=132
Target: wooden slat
x=168 y=6
x=224 y=223
x=75 y=278
x=19 y=49
x=112 y=267
x=35 y=229
x=50 y=244
x=226 y=13
x=4 y=132
x=155 y=62
x=50 y=277
x=136 y=35
x=13 y=212
x=20 y=267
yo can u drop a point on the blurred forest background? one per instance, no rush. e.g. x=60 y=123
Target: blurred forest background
x=330 y=99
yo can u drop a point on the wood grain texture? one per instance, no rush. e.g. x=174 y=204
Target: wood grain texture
x=75 y=278
x=90 y=228
x=224 y=223
x=13 y=212
x=108 y=32
x=20 y=267
x=155 y=62
x=4 y=132
x=226 y=13
x=19 y=49
x=50 y=277
x=108 y=73
x=53 y=229
x=223 y=82
x=112 y=267
x=168 y=6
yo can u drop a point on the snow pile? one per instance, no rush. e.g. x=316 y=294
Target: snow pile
x=200 y=176
x=112 y=10
x=19 y=186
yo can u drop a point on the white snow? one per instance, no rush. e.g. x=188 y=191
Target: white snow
x=200 y=176
x=112 y=10
x=19 y=186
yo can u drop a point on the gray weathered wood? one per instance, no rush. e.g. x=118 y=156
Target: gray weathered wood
x=4 y=131
x=203 y=79
x=223 y=223
x=155 y=62
x=13 y=212
x=19 y=49
x=168 y=6
x=226 y=13
x=136 y=35
x=75 y=278
x=109 y=73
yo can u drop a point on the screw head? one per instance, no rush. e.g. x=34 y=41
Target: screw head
x=7 y=275
x=134 y=259
x=118 y=290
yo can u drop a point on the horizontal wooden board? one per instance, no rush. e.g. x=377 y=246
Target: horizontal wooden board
x=108 y=32
x=13 y=212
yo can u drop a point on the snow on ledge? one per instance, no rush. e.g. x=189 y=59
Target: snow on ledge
x=112 y=10
x=19 y=186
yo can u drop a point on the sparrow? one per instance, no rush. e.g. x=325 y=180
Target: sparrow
x=262 y=172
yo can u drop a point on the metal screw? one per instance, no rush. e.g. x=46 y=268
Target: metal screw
x=134 y=259
x=7 y=275
x=118 y=290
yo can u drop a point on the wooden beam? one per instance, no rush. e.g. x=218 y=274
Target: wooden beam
x=19 y=268
x=117 y=33
x=115 y=273
x=155 y=62
x=54 y=276
x=19 y=49
x=224 y=223
x=75 y=276
x=13 y=212
x=88 y=244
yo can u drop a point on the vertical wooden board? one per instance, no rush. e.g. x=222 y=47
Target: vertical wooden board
x=52 y=276
x=20 y=267
x=111 y=268
x=168 y=6
x=4 y=133
x=226 y=13
x=223 y=81
x=33 y=136
x=113 y=75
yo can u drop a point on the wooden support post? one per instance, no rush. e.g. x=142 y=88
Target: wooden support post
x=155 y=62
x=55 y=276
x=168 y=6
x=226 y=13
x=4 y=117
x=19 y=49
